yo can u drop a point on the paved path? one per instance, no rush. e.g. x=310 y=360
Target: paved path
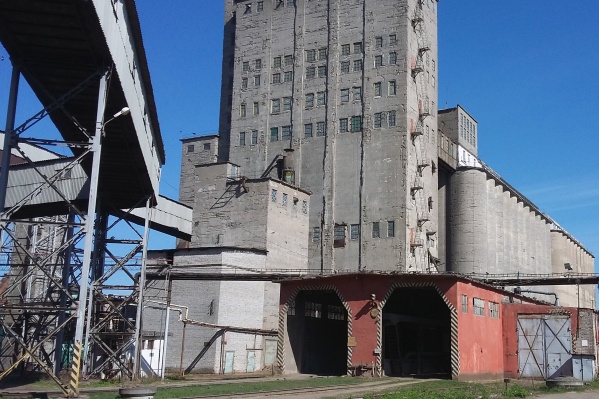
x=594 y=394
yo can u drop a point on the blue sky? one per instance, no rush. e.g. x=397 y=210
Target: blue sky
x=527 y=71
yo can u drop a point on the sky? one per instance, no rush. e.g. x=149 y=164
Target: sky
x=527 y=71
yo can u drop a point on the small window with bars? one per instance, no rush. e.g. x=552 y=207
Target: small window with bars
x=313 y=309
x=478 y=306
x=464 y=303
x=273 y=195
x=494 y=310
x=354 y=232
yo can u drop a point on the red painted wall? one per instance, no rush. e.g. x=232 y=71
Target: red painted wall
x=479 y=337
x=510 y=327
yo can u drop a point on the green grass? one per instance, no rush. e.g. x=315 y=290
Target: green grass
x=238 y=388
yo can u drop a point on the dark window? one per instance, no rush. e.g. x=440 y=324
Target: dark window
x=356 y=123
x=310 y=72
x=321 y=129
x=310 y=55
x=276 y=78
x=343 y=125
x=309 y=100
x=288 y=60
x=464 y=303
x=322 y=71
x=287 y=104
x=390 y=228
x=378 y=42
x=354 y=231
x=288 y=76
x=286 y=132
x=258 y=64
x=344 y=66
x=207 y=147
x=392 y=39
x=322 y=54
x=345 y=49
x=276 y=62
x=344 y=95
x=376 y=230
x=358 y=48
x=260 y=6
x=274 y=134
x=190 y=148
x=357 y=65
x=378 y=61
x=378 y=120
x=339 y=236
x=391 y=118
x=321 y=98
x=357 y=93
x=308 y=130
x=377 y=89
x=242 y=138
x=246 y=66
x=316 y=234
x=254 y=137
x=275 y=106
x=392 y=58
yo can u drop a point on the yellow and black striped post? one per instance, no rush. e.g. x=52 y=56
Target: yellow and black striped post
x=75 y=369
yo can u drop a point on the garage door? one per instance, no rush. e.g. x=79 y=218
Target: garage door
x=544 y=346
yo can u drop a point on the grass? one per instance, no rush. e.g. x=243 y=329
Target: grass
x=465 y=390
x=238 y=388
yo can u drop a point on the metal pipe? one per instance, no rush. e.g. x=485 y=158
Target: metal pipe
x=9 y=134
x=518 y=290
x=182 y=349
x=165 y=344
x=141 y=287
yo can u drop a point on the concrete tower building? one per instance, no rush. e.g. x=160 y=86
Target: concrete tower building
x=350 y=87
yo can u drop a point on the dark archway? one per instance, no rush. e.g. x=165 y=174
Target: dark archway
x=317 y=328
x=416 y=333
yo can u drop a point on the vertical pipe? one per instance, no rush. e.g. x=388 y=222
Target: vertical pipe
x=140 y=296
x=9 y=133
x=163 y=365
x=96 y=149
x=182 y=348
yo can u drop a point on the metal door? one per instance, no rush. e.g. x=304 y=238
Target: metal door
x=544 y=346
x=229 y=357
x=251 y=362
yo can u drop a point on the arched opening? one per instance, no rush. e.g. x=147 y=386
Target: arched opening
x=416 y=334
x=317 y=329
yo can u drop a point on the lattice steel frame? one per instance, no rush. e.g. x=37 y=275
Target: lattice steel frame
x=44 y=328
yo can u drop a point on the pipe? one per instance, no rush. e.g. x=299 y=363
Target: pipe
x=519 y=290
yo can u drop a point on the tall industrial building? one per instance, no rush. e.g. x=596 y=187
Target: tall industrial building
x=350 y=87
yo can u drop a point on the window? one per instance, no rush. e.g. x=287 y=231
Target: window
x=433 y=81
x=378 y=61
x=478 y=306
x=241 y=138
x=321 y=129
x=257 y=80
x=377 y=89
x=358 y=48
x=287 y=104
x=344 y=66
x=310 y=55
x=316 y=234
x=378 y=120
x=309 y=100
x=288 y=76
x=391 y=118
x=256 y=108
x=190 y=148
x=291 y=311
x=286 y=132
x=354 y=231
x=392 y=39
x=258 y=64
x=345 y=49
x=273 y=195
x=275 y=106
x=276 y=78
x=244 y=83
x=390 y=228
x=284 y=200
x=310 y=73
x=433 y=64
x=357 y=65
x=246 y=66
x=343 y=125
x=339 y=232
x=335 y=312
x=494 y=310
x=464 y=303
x=322 y=71
x=274 y=134
x=305 y=207
x=308 y=130
x=392 y=58
x=357 y=92
x=344 y=95
x=378 y=42
x=321 y=98
x=206 y=146
x=242 y=110
x=312 y=309
x=376 y=230
x=248 y=9
x=254 y=137
x=392 y=88
x=356 y=123
x=260 y=6
x=322 y=54
x=288 y=60
x=276 y=62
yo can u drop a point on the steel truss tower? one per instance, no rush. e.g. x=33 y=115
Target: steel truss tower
x=72 y=282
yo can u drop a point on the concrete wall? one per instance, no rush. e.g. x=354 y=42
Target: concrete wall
x=566 y=250
x=492 y=231
x=355 y=177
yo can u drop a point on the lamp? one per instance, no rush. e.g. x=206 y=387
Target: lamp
x=123 y=111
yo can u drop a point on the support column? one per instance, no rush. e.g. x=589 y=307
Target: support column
x=9 y=134
x=96 y=147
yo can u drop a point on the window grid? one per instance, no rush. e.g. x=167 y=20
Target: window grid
x=357 y=93
x=308 y=130
x=242 y=110
x=305 y=207
x=257 y=80
x=392 y=88
x=313 y=310
x=287 y=104
x=309 y=100
x=344 y=66
x=276 y=78
x=258 y=64
x=392 y=58
x=344 y=95
x=320 y=129
x=392 y=39
x=339 y=232
x=276 y=62
x=378 y=61
x=241 y=138
x=335 y=312
x=274 y=134
x=245 y=66
x=322 y=54
x=377 y=89
x=320 y=98
x=316 y=234
x=286 y=132
x=310 y=55
x=357 y=65
x=391 y=228
x=275 y=106
x=478 y=306
x=354 y=231
x=378 y=41
x=494 y=310
x=378 y=120
x=284 y=200
x=391 y=118
x=256 y=108
x=464 y=303
x=358 y=48
x=288 y=76
x=343 y=125
x=356 y=123
x=288 y=60
x=273 y=195
x=322 y=71
x=345 y=49
x=254 y=137
x=376 y=230
x=310 y=72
